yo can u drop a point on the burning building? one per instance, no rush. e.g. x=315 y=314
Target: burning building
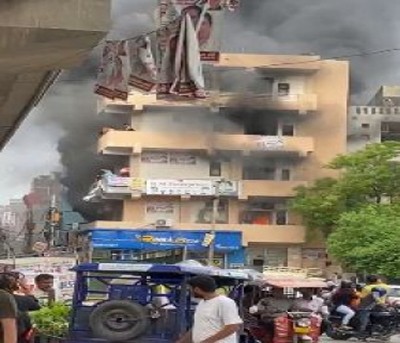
x=270 y=124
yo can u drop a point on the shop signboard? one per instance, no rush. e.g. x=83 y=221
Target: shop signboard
x=150 y=240
x=180 y=187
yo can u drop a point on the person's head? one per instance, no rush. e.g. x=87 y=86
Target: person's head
x=203 y=286
x=371 y=279
x=307 y=293
x=9 y=282
x=45 y=282
x=277 y=292
x=346 y=284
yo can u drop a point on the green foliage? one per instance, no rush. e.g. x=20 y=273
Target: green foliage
x=368 y=240
x=366 y=177
x=52 y=320
x=320 y=205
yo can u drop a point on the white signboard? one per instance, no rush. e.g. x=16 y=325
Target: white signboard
x=270 y=143
x=180 y=187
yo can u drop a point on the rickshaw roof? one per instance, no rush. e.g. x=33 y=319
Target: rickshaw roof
x=137 y=268
x=295 y=283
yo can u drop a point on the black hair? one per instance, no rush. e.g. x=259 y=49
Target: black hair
x=8 y=281
x=43 y=277
x=203 y=282
x=346 y=284
x=372 y=279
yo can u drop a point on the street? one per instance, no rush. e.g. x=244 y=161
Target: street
x=394 y=339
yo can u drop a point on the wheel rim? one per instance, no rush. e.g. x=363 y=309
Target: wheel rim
x=119 y=320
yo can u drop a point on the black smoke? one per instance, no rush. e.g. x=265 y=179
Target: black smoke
x=322 y=27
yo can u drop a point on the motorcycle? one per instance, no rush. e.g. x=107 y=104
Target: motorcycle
x=296 y=327
x=383 y=323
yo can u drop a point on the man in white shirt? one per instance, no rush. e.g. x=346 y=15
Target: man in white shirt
x=310 y=302
x=216 y=318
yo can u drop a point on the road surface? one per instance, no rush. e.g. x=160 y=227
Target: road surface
x=394 y=339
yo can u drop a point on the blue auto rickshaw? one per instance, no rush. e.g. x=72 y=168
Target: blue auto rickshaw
x=141 y=303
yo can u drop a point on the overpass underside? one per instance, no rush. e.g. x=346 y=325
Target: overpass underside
x=38 y=38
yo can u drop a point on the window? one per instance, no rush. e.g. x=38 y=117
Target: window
x=285 y=174
x=287 y=130
x=215 y=168
x=365 y=110
x=396 y=110
x=365 y=125
x=373 y=110
x=388 y=110
x=381 y=110
x=358 y=110
x=283 y=89
x=281 y=217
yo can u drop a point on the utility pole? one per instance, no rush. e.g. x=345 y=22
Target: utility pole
x=215 y=205
x=52 y=223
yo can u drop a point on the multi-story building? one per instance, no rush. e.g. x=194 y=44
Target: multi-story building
x=376 y=122
x=270 y=124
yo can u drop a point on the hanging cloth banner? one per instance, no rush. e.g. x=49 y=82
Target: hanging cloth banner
x=181 y=71
x=112 y=80
x=206 y=17
x=143 y=70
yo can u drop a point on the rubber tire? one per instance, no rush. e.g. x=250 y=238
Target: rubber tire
x=336 y=335
x=99 y=320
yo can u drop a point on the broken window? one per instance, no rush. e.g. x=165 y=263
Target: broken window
x=283 y=88
x=287 y=130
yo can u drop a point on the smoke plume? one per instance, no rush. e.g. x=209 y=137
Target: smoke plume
x=323 y=27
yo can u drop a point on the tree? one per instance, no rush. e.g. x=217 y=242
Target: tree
x=368 y=240
x=320 y=205
x=366 y=176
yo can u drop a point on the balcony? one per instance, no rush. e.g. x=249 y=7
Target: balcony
x=301 y=103
x=261 y=188
x=130 y=142
x=111 y=186
x=270 y=234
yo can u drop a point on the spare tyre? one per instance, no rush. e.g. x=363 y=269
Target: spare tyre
x=119 y=320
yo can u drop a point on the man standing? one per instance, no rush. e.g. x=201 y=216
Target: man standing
x=8 y=309
x=216 y=318
x=44 y=290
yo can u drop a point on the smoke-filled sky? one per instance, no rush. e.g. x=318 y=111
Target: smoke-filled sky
x=66 y=120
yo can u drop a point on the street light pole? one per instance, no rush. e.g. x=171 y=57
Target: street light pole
x=215 y=205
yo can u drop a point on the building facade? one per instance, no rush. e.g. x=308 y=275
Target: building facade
x=376 y=122
x=270 y=124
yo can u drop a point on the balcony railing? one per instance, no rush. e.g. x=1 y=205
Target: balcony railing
x=115 y=187
x=302 y=103
x=129 y=142
x=259 y=188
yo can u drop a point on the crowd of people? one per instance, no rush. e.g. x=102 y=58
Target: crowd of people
x=346 y=299
x=215 y=314
x=17 y=299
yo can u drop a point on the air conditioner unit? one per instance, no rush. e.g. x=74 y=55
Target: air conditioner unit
x=163 y=223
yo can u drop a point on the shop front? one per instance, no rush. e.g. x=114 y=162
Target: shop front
x=164 y=246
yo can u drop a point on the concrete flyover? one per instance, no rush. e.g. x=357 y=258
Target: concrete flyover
x=39 y=38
